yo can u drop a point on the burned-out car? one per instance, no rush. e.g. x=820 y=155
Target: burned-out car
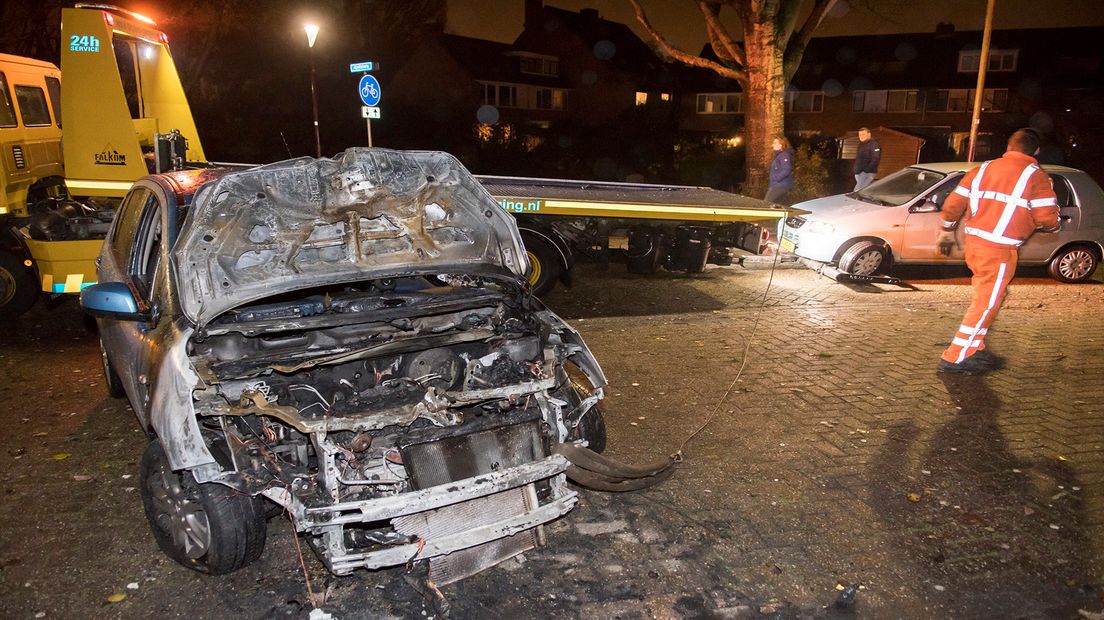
x=352 y=340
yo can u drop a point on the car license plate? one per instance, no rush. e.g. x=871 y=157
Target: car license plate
x=787 y=245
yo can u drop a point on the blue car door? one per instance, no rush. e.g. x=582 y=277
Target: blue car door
x=136 y=255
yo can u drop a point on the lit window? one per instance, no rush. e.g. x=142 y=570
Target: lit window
x=641 y=98
x=664 y=96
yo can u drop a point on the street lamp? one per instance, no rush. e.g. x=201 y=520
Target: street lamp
x=312 y=34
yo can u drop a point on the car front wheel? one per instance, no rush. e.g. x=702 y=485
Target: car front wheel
x=1074 y=264
x=209 y=527
x=864 y=258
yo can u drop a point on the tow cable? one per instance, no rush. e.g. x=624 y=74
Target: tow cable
x=677 y=457
x=594 y=471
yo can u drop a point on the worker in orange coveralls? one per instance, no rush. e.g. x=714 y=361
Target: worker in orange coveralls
x=1003 y=201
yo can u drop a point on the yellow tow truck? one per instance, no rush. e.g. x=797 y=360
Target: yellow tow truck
x=124 y=114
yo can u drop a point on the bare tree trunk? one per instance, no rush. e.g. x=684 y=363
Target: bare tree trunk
x=765 y=101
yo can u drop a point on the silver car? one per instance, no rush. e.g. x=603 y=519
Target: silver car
x=896 y=220
x=351 y=341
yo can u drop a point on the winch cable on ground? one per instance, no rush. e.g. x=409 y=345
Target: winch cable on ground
x=677 y=457
x=594 y=471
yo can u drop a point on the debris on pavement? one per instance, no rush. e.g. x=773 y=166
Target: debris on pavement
x=846 y=598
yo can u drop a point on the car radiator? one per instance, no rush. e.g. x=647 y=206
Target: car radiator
x=464 y=456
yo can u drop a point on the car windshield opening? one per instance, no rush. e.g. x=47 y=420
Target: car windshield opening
x=899 y=187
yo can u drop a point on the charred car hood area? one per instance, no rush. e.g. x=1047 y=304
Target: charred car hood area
x=367 y=214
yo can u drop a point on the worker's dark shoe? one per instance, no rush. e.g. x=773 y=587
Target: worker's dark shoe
x=986 y=356
x=969 y=366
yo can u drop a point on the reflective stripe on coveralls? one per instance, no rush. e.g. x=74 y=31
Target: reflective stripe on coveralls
x=993 y=268
x=1011 y=203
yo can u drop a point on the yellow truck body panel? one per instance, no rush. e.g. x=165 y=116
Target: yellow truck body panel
x=108 y=139
x=65 y=266
x=30 y=131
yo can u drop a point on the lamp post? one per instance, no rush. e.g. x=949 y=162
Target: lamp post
x=312 y=34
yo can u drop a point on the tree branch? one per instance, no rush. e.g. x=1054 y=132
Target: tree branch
x=795 y=49
x=673 y=52
x=820 y=10
x=718 y=36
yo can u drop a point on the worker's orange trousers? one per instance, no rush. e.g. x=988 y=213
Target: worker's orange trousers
x=992 y=268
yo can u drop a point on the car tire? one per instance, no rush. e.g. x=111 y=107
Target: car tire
x=865 y=258
x=18 y=289
x=111 y=378
x=1074 y=264
x=209 y=528
x=544 y=264
x=592 y=426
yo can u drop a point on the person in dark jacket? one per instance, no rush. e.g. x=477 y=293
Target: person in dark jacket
x=866 y=159
x=781 y=170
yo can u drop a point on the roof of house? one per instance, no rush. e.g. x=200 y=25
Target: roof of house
x=1059 y=57
x=1054 y=57
x=566 y=33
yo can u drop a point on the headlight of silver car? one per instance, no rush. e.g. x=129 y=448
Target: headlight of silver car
x=814 y=227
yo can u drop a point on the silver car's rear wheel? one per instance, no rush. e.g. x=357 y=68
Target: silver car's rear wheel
x=1074 y=264
x=864 y=258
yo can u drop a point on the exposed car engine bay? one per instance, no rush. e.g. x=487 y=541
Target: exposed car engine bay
x=339 y=398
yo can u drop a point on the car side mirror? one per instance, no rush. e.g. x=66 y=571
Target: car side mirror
x=925 y=206
x=112 y=300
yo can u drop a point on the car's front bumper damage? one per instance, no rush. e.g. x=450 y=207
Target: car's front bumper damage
x=330 y=521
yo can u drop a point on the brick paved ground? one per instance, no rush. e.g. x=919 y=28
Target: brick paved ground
x=802 y=481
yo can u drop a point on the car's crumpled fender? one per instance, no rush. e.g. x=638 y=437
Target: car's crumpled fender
x=577 y=351
x=172 y=414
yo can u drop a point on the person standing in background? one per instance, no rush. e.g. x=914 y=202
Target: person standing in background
x=866 y=159
x=781 y=170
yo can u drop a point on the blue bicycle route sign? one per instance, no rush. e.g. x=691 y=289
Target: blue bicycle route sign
x=369 y=90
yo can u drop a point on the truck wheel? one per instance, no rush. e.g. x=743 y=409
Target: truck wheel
x=18 y=289
x=544 y=264
x=208 y=527
x=1073 y=264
